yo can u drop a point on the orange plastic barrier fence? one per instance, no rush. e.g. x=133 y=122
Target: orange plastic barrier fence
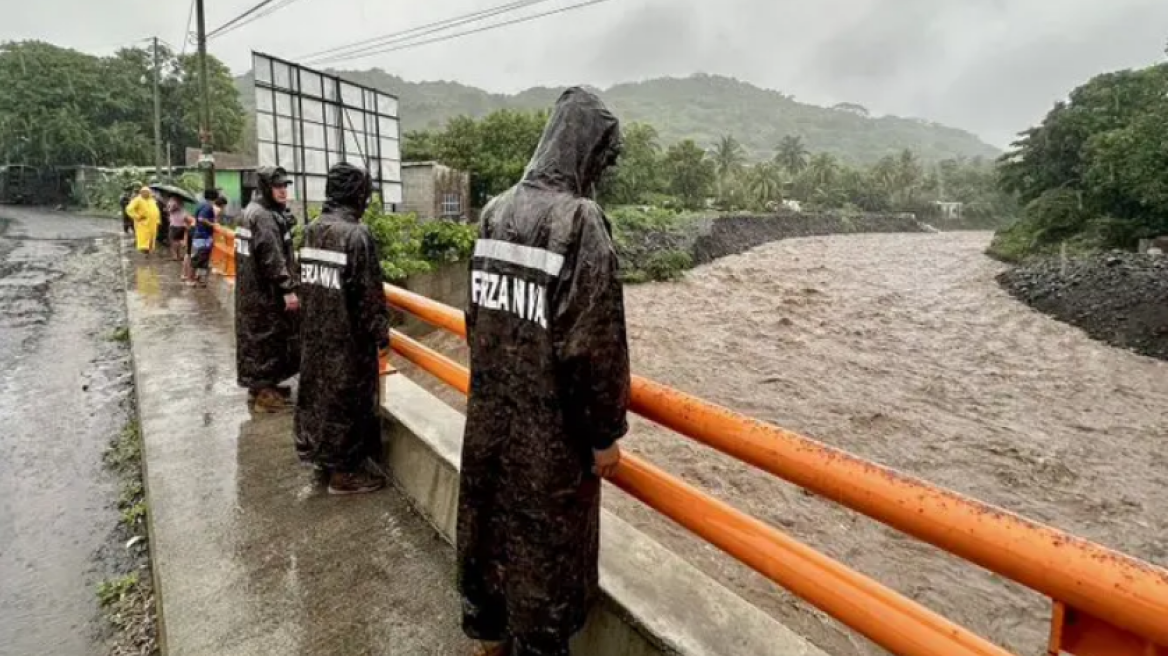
x=884 y=616
x=1107 y=603
x=223 y=252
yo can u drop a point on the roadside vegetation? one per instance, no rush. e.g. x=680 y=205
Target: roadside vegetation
x=127 y=598
x=1094 y=174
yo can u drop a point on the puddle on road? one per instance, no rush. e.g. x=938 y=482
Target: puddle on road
x=64 y=391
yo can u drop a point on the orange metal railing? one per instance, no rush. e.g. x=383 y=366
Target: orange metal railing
x=1105 y=603
x=884 y=616
x=1091 y=585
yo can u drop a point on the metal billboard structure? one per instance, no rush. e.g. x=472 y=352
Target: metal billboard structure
x=308 y=120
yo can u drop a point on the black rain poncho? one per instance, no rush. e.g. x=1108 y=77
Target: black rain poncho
x=549 y=383
x=266 y=339
x=344 y=322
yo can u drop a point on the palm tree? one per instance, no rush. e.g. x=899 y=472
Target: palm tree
x=792 y=155
x=764 y=181
x=908 y=177
x=823 y=169
x=728 y=156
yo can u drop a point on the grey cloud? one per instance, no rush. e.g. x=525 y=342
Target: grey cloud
x=991 y=66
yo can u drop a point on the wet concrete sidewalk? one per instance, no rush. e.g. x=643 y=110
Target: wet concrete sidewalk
x=249 y=556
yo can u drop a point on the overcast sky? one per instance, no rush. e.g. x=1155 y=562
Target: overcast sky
x=990 y=66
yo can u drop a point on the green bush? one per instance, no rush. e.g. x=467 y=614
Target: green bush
x=667 y=265
x=405 y=245
x=1049 y=220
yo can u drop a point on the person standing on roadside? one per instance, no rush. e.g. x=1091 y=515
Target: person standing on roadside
x=549 y=392
x=123 y=202
x=203 y=235
x=266 y=340
x=344 y=324
x=144 y=211
x=176 y=215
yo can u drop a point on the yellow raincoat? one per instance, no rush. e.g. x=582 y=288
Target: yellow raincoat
x=147 y=218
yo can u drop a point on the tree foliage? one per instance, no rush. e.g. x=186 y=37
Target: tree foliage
x=691 y=174
x=1095 y=171
x=792 y=154
x=64 y=107
x=497 y=148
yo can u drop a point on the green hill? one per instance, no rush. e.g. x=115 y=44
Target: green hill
x=700 y=107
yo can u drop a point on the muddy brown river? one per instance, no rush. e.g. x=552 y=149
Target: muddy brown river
x=902 y=349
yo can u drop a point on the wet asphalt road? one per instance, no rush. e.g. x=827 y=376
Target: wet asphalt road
x=64 y=388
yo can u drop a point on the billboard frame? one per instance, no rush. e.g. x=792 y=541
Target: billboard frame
x=337 y=114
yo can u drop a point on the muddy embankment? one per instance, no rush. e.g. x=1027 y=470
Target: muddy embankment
x=731 y=235
x=1117 y=298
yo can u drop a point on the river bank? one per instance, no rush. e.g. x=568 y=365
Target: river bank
x=657 y=245
x=1118 y=298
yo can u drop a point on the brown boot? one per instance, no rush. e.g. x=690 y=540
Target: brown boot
x=269 y=401
x=492 y=649
x=359 y=482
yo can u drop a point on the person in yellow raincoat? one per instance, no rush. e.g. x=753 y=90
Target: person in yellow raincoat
x=144 y=211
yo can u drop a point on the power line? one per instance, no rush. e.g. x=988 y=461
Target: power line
x=186 y=36
x=233 y=21
x=447 y=37
x=253 y=14
x=421 y=30
x=267 y=12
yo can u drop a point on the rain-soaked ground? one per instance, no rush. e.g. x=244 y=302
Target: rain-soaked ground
x=903 y=349
x=63 y=392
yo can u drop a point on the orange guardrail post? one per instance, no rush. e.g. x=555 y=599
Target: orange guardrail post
x=884 y=616
x=1114 y=588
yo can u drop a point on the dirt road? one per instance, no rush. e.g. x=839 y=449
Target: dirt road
x=903 y=349
x=63 y=387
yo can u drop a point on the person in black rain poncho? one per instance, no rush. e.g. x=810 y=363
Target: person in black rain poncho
x=266 y=339
x=548 y=394
x=344 y=323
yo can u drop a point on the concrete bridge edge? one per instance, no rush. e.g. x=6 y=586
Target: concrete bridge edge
x=654 y=601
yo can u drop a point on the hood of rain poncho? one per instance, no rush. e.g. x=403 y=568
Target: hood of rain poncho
x=348 y=187
x=268 y=177
x=580 y=141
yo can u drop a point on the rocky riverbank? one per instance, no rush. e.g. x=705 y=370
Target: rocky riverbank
x=658 y=245
x=1118 y=298
x=731 y=235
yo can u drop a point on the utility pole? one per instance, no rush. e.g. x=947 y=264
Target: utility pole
x=207 y=161
x=157 y=115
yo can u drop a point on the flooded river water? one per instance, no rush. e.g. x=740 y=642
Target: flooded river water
x=63 y=391
x=902 y=348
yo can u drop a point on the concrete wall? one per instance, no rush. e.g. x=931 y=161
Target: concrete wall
x=653 y=603
x=447 y=283
x=417 y=190
x=423 y=185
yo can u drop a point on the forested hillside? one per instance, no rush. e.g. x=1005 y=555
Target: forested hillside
x=702 y=108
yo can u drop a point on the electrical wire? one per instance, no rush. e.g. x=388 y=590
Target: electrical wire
x=186 y=36
x=421 y=30
x=260 y=10
x=447 y=37
x=267 y=12
x=260 y=5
